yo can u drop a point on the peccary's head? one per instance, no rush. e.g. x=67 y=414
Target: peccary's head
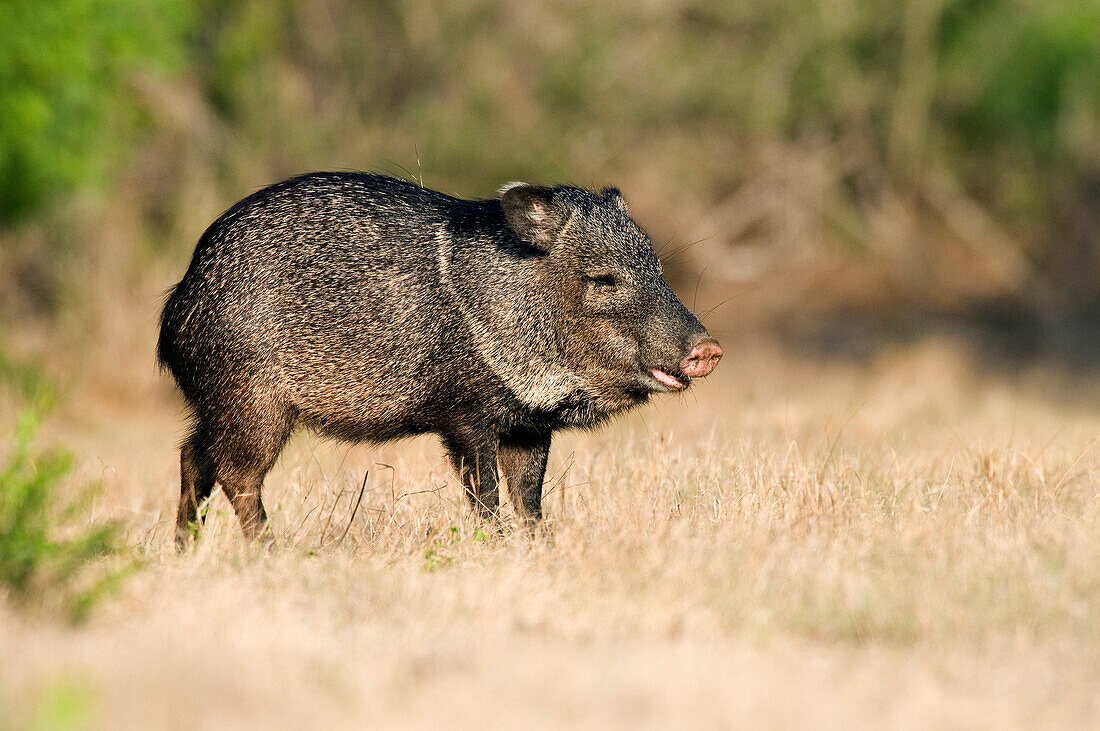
x=576 y=305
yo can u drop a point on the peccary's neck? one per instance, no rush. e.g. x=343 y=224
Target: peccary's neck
x=500 y=292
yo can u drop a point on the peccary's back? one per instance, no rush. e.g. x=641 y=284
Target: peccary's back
x=323 y=292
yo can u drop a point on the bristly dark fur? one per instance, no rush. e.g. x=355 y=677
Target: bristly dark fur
x=371 y=308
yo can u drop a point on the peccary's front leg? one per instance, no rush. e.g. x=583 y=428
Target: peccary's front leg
x=523 y=461
x=474 y=457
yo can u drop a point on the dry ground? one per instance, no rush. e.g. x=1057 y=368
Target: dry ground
x=913 y=543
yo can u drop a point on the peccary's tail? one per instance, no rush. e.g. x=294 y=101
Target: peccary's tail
x=167 y=353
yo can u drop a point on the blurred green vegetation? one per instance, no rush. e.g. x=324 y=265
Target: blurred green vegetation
x=68 y=113
x=977 y=119
x=49 y=557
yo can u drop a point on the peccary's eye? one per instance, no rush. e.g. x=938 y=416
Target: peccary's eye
x=601 y=281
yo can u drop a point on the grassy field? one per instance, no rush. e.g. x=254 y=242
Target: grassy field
x=910 y=542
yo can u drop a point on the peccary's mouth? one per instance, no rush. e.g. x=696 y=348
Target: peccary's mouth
x=674 y=383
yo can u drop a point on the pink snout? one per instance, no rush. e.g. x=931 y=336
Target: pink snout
x=702 y=359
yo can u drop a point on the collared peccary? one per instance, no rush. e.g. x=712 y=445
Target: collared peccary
x=370 y=308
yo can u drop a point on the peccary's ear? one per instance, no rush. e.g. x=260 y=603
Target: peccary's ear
x=615 y=198
x=533 y=213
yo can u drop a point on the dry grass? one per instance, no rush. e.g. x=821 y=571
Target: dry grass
x=908 y=544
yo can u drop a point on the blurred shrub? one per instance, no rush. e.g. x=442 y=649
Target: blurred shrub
x=46 y=558
x=68 y=109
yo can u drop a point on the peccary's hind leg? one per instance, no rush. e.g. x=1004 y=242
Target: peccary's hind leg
x=246 y=449
x=196 y=484
x=474 y=456
x=244 y=493
x=523 y=464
